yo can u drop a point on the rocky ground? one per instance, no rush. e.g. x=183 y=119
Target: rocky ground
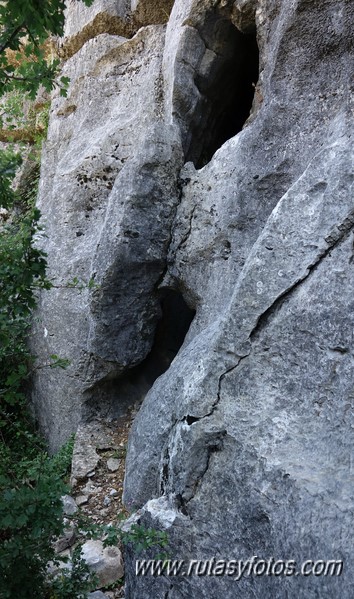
x=98 y=469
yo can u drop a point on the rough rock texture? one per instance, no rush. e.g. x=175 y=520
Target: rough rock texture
x=69 y=505
x=105 y=562
x=108 y=194
x=244 y=446
x=85 y=457
x=97 y=595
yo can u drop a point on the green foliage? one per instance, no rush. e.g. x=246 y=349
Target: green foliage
x=140 y=537
x=76 y=582
x=57 y=362
x=22 y=273
x=31 y=482
x=61 y=461
x=30 y=519
x=25 y=28
x=9 y=163
x=22 y=122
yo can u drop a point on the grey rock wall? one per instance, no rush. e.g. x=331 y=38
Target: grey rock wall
x=108 y=194
x=244 y=446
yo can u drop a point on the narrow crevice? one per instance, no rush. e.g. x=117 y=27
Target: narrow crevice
x=221 y=378
x=181 y=504
x=167 y=594
x=191 y=420
x=165 y=471
x=214 y=446
x=341 y=232
x=189 y=230
x=226 y=79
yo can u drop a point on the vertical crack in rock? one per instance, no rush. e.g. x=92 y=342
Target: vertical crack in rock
x=340 y=233
x=213 y=446
x=221 y=378
x=165 y=472
x=188 y=232
x=168 y=592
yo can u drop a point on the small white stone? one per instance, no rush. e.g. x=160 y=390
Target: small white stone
x=89 y=489
x=69 y=505
x=81 y=500
x=105 y=562
x=113 y=464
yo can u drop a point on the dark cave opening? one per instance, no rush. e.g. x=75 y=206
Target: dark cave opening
x=171 y=330
x=118 y=394
x=227 y=86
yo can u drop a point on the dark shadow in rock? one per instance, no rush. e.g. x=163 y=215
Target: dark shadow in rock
x=113 y=397
x=226 y=79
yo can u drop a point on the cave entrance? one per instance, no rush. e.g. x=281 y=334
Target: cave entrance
x=227 y=78
x=171 y=330
x=118 y=394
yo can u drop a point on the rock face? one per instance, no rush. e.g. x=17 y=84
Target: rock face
x=108 y=196
x=169 y=169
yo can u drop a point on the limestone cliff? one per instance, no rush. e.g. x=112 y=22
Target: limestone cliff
x=200 y=174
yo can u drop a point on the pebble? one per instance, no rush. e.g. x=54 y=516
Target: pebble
x=66 y=540
x=89 y=489
x=113 y=464
x=81 y=500
x=113 y=492
x=69 y=505
x=106 y=501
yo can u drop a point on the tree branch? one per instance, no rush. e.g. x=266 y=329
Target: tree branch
x=11 y=38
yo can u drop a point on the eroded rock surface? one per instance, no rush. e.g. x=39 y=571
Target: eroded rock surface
x=212 y=157
x=105 y=562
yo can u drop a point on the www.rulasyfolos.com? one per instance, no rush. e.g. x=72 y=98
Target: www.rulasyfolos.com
x=253 y=566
